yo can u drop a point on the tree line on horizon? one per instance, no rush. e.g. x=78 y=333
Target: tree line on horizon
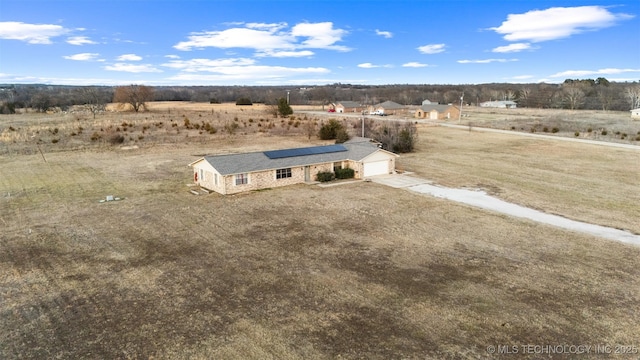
x=587 y=94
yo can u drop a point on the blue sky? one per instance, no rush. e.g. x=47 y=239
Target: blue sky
x=282 y=42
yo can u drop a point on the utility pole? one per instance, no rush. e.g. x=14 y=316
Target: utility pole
x=288 y=91
x=460 y=113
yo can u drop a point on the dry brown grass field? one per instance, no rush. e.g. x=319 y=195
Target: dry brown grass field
x=612 y=126
x=353 y=271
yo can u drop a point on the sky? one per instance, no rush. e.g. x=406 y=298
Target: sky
x=284 y=42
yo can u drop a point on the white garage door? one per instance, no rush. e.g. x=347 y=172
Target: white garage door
x=376 y=168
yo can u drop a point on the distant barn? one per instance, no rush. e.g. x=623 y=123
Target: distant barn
x=503 y=104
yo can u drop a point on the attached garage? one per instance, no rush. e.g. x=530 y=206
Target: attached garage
x=376 y=168
x=379 y=163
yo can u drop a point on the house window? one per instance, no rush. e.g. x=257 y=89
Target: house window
x=215 y=178
x=337 y=166
x=283 y=173
x=242 y=179
x=201 y=175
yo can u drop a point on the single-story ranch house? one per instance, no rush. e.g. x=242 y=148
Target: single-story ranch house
x=388 y=107
x=347 y=107
x=437 y=112
x=234 y=173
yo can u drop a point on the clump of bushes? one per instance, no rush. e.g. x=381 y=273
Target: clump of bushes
x=332 y=130
x=231 y=128
x=345 y=173
x=116 y=139
x=555 y=130
x=325 y=176
x=210 y=129
x=244 y=101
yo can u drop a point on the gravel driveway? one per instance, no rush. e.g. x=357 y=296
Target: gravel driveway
x=480 y=199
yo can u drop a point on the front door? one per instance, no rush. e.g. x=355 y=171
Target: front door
x=307 y=173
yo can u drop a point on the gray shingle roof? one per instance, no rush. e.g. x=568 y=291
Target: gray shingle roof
x=229 y=164
x=349 y=104
x=390 y=105
x=437 y=107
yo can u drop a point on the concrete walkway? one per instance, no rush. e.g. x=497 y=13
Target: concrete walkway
x=480 y=199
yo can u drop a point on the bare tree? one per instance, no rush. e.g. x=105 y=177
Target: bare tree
x=395 y=136
x=509 y=95
x=94 y=100
x=135 y=95
x=41 y=101
x=632 y=93
x=574 y=96
x=605 y=96
x=310 y=128
x=523 y=96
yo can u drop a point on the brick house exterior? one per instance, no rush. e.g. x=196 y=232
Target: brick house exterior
x=388 y=107
x=348 y=107
x=235 y=173
x=437 y=112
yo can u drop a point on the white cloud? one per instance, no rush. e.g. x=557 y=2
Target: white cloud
x=129 y=57
x=273 y=27
x=414 y=65
x=236 y=38
x=320 y=35
x=515 y=47
x=172 y=56
x=432 y=48
x=523 y=77
x=31 y=33
x=556 y=23
x=580 y=73
x=254 y=73
x=269 y=38
x=485 y=61
x=372 y=66
x=385 y=34
x=283 y=54
x=132 y=68
x=82 y=57
x=80 y=40
x=208 y=65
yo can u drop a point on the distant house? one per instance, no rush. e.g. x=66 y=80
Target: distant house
x=437 y=112
x=235 y=173
x=347 y=107
x=504 y=104
x=387 y=107
x=635 y=113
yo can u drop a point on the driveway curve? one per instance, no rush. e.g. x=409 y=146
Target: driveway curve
x=480 y=199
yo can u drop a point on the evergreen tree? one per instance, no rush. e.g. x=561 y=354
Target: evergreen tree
x=283 y=107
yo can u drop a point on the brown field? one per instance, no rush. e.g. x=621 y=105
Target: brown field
x=612 y=126
x=353 y=271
